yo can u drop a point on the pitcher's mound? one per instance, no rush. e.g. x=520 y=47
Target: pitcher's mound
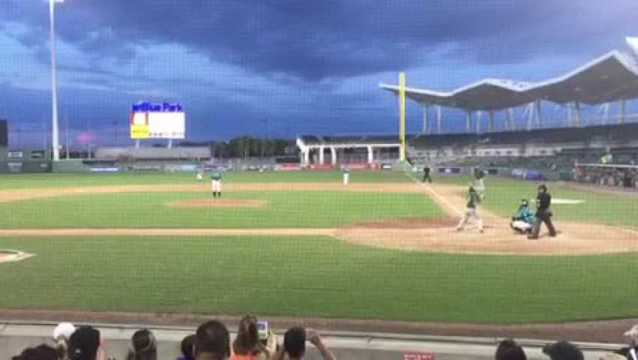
x=219 y=203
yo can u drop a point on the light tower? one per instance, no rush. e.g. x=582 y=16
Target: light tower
x=55 y=138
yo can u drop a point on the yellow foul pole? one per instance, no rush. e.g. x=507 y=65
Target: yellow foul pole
x=402 y=150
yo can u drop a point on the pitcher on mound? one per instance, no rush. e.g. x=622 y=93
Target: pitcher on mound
x=471 y=211
x=216 y=184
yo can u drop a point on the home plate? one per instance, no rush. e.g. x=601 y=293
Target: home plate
x=13 y=256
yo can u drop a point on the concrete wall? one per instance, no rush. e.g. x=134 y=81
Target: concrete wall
x=14 y=337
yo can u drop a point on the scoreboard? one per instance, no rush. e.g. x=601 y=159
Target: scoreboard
x=157 y=121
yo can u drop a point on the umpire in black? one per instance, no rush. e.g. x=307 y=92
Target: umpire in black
x=543 y=213
x=426 y=174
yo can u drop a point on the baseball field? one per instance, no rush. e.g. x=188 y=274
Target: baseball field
x=303 y=244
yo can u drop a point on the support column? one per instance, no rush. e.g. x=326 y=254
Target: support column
x=623 y=106
x=479 y=114
x=579 y=122
x=510 y=120
x=605 y=114
x=137 y=144
x=539 y=114
x=438 y=119
x=425 y=119
x=530 y=116
x=491 y=121
x=170 y=144
x=321 y=151
x=333 y=155
x=306 y=157
x=370 y=155
x=570 y=117
x=468 y=121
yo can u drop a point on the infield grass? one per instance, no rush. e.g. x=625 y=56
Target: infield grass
x=312 y=276
x=293 y=209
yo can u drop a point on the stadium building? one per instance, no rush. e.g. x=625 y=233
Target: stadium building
x=609 y=82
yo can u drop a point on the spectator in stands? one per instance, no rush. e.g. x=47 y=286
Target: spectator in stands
x=295 y=344
x=543 y=213
x=144 y=346
x=42 y=352
x=84 y=344
x=563 y=350
x=187 y=348
x=508 y=349
x=212 y=341
x=247 y=345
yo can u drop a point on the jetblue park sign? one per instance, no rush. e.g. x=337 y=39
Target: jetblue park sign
x=145 y=107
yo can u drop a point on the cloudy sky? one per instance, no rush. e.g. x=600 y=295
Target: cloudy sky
x=281 y=67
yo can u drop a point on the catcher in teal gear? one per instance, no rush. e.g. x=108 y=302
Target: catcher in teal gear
x=524 y=219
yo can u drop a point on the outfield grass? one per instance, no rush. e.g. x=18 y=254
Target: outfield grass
x=26 y=181
x=149 y=210
x=312 y=276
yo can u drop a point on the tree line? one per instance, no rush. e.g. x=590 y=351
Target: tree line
x=246 y=146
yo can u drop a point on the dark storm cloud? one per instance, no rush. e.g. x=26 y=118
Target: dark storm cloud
x=314 y=40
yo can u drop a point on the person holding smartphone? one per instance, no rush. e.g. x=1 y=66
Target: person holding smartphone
x=295 y=344
x=249 y=345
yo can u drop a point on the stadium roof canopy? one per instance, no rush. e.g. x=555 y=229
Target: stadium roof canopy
x=611 y=77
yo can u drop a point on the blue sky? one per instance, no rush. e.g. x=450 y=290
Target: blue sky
x=281 y=67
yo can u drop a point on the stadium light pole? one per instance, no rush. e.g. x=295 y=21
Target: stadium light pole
x=54 y=84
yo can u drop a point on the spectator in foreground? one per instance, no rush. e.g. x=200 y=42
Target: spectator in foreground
x=144 y=346
x=84 y=344
x=212 y=341
x=508 y=349
x=61 y=335
x=248 y=345
x=295 y=344
x=630 y=352
x=42 y=352
x=563 y=350
x=187 y=348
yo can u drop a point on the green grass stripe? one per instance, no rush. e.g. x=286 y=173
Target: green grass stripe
x=312 y=276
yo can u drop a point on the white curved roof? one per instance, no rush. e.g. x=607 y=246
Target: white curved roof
x=611 y=77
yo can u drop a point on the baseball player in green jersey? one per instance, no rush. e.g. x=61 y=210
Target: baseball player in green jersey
x=216 y=184
x=471 y=210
